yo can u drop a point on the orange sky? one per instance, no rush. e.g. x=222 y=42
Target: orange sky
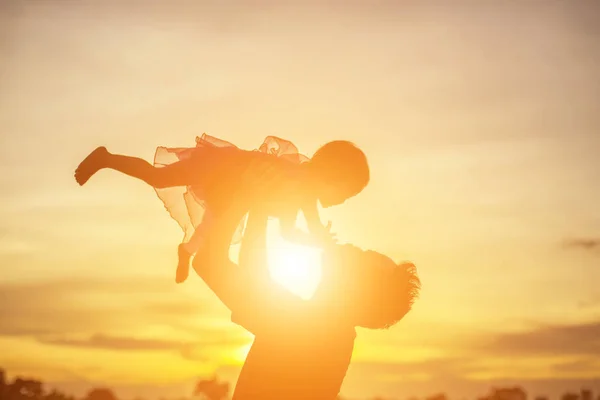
x=480 y=121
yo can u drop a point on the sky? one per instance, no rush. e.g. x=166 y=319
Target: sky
x=481 y=123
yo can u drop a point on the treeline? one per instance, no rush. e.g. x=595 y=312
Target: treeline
x=212 y=389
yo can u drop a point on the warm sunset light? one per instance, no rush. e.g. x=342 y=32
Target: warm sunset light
x=480 y=121
x=296 y=267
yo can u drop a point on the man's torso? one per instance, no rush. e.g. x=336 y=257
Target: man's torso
x=296 y=364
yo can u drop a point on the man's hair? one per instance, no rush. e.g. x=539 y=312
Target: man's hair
x=392 y=292
x=381 y=291
x=341 y=160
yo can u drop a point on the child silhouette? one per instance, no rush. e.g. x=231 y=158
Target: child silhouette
x=219 y=176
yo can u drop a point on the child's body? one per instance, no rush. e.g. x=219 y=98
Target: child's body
x=220 y=177
x=276 y=205
x=317 y=233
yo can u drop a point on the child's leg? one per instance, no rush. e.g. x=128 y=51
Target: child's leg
x=180 y=173
x=196 y=239
x=183 y=263
x=186 y=250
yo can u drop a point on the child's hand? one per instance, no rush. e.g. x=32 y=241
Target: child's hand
x=328 y=238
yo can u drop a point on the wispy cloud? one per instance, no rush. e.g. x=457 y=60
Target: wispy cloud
x=567 y=350
x=590 y=244
x=100 y=341
x=550 y=340
x=584 y=365
x=591 y=301
x=84 y=316
x=188 y=349
x=85 y=306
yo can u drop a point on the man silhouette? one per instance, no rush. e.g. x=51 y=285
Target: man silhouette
x=302 y=349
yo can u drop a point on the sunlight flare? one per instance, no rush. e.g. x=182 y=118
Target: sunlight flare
x=295 y=267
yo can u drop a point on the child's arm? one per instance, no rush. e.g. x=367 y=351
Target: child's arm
x=317 y=233
x=313 y=220
x=289 y=231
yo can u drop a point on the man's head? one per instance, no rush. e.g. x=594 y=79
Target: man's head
x=372 y=290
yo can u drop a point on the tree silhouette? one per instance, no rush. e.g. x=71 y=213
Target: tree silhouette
x=101 y=394
x=56 y=395
x=212 y=389
x=438 y=396
x=570 y=396
x=27 y=388
x=3 y=385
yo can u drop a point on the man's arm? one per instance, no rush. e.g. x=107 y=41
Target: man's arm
x=256 y=301
x=266 y=302
x=213 y=265
x=253 y=249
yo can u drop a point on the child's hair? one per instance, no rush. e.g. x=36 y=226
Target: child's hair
x=342 y=161
x=381 y=291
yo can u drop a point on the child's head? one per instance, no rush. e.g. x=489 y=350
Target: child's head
x=340 y=170
x=369 y=288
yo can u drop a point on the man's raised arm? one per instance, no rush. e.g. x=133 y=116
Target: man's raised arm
x=253 y=250
x=256 y=301
x=213 y=265
x=238 y=287
x=267 y=303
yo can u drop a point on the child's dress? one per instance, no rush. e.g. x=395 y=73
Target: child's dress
x=186 y=205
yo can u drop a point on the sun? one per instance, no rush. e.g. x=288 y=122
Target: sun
x=295 y=267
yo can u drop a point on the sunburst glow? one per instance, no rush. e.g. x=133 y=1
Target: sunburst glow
x=295 y=267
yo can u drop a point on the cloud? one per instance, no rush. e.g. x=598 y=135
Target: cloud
x=201 y=351
x=182 y=308
x=82 y=313
x=60 y=305
x=454 y=367
x=8 y=330
x=578 y=366
x=590 y=244
x=60 y=288
x=444 y=375
x=550 y=340
x=106 y=342
x=564 y=350
x=83 y=306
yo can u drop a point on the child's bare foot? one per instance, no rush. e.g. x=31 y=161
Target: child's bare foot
x=183 y=267
x=90 y=165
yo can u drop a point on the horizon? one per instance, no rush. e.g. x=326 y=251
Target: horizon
x=477 y=392
x=480 y=121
